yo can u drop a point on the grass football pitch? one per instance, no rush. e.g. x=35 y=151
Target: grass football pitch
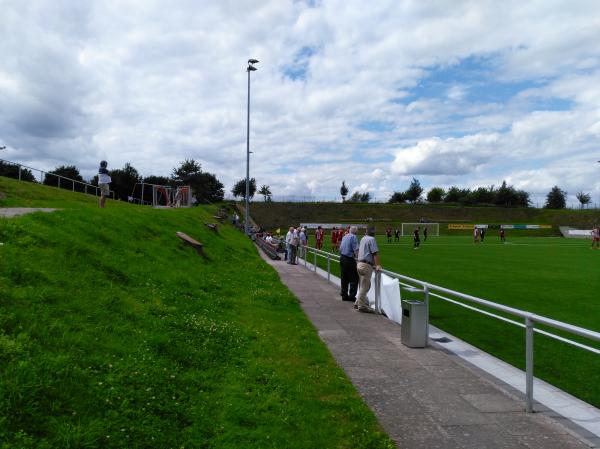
x=553 y=277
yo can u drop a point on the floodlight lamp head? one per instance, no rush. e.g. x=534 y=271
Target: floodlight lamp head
x=251 y=68
x=253 y=61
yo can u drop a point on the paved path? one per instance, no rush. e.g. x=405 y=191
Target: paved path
x=424 y=398
x=9 y=212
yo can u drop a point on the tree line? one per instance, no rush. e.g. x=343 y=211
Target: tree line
x=206 y=188
x=503 y=196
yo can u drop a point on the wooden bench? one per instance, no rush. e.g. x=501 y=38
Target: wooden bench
x=212 y=226
x=269 y=249
x=190 y=241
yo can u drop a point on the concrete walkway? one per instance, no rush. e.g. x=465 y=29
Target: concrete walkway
x=424 y=398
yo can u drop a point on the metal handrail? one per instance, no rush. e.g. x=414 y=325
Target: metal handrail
x=529 y=318
x=42 y=172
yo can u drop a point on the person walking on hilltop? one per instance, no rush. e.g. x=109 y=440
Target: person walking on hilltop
x=416 y=238
x=349 y=275
x=368 y=260
x=103 y=182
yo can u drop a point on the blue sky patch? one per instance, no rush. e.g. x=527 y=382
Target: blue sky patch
x=297 y=70
x=376 y=126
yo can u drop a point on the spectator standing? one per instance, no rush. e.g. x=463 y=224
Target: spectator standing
x=349 y=275
x=294 y=246
x=288 y=245
x=368 y=260
x=303 y=243
x=103 y=182
x=416 y=238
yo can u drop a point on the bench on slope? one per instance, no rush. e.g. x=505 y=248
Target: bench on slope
x=190 y=241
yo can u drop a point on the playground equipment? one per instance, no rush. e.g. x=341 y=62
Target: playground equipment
x=163 y=196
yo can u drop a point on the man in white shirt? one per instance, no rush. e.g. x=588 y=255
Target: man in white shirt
x=368 y=260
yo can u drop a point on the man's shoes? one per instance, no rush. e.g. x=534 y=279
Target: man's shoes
x=365 y=309
x=348 y=299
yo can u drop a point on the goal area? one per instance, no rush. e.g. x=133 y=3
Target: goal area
x=433 y=229
x=166 y=196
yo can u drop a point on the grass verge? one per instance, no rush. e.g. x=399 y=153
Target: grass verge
x=114 y=334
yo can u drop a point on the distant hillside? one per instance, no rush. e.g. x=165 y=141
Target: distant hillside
x=275 y=215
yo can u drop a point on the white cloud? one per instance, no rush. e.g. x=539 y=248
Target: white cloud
x=153 y=83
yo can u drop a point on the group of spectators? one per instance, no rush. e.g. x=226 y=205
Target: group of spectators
x=357 y=262
x=296 y=240
x=357 y=259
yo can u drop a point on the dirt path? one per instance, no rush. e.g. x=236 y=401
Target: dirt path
x=9 y=212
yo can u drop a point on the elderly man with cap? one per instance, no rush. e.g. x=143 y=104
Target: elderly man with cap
x=368 y=260
x=348 y=252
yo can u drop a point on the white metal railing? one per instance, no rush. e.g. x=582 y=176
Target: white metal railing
x=529 y=319
x=59 y=177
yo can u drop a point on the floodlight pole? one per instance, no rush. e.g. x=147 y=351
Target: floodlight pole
x=250 y=68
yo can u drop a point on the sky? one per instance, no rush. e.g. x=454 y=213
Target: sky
x=451 y=92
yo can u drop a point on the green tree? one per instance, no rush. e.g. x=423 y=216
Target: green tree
x=183 y=174
x=344 y=191
x=435 y=195
x=12 y=171
x=398 y=197
x=556 y=198
x=456 y=195
x=158 y=180
x=66 y=171
x=414 y=191
x=239 y=189
x=206 y=188
x=584 y=199
x=123 y=180
x=358 y=197
x=506 y=196
x=265 y=191
x=483 y=195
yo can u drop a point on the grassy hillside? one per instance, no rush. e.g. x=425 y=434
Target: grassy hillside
x=115 y=334
x=275 y=215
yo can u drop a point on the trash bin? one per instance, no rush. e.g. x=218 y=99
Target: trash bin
x=414 y=324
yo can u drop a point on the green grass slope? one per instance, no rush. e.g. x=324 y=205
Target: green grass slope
x=113 y=334
x=274 y=215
